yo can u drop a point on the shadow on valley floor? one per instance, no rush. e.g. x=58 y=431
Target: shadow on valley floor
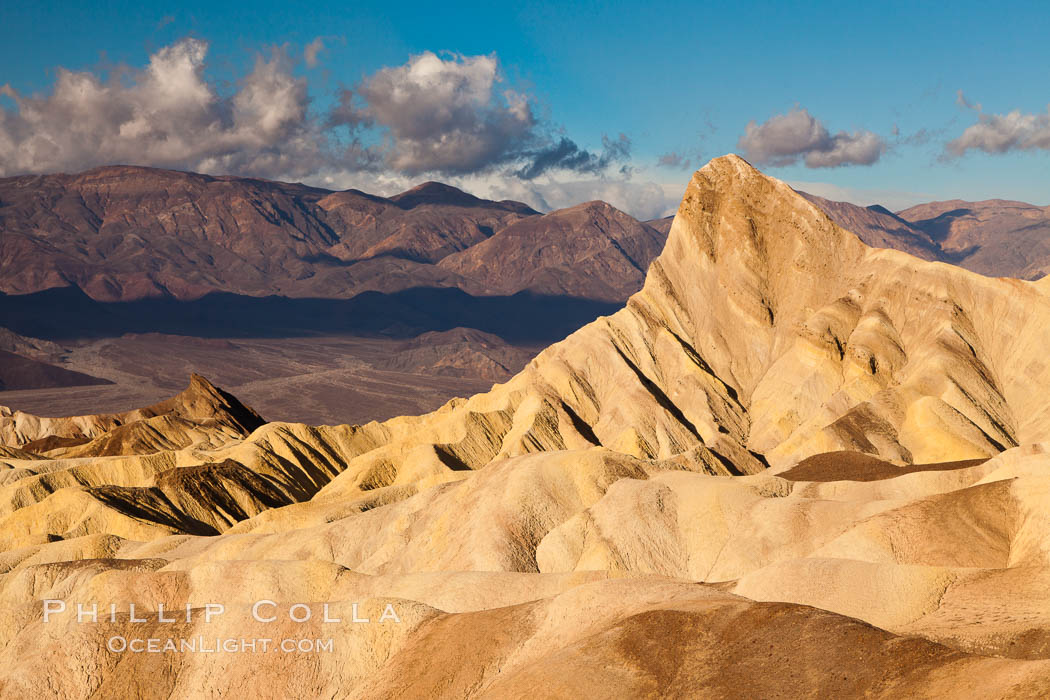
x=68 y=313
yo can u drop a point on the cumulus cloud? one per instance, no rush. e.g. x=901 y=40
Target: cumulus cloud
x=450 y=116
x=454 y=115
x=786 y=139
x=1001 y=133
x=442 y=115
x=165 y=115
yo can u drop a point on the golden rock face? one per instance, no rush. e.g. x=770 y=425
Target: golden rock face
x=625 y=512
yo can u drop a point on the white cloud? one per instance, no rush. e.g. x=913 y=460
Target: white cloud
x=455 y=115
x=1001 y=133
x=784 y=139
x=446 y=117
x=165 y=115
x=435 y=115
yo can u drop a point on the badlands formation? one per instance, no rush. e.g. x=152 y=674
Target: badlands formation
x=792 y=465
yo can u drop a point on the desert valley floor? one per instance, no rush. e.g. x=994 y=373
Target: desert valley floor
x=311 y=379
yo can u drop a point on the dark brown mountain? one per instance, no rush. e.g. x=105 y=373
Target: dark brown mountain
x=437 y=193
x=34 y=348
x=126 y=233
x=19 y=372
x=662 y=225
x=122 y=233
x=879 y=227
x=423 y=224
x=592 y=250
x=994 y=237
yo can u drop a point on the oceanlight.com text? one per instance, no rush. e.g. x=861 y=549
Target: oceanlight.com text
x=216 y=645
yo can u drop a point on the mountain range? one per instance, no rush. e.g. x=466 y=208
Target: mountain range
x=994 y=237
x=98 y=260
x=128 y=233
x=791 y=463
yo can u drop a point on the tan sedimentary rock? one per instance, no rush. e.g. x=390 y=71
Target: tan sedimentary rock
x=202 y=413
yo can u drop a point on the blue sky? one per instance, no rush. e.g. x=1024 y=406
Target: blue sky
x=674 y=78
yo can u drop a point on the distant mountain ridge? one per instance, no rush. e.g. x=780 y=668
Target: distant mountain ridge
x=20 y=372
x=196 y=254
x=123 y=233
x=590 y=250
x=995 y=238
x=878 y=227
